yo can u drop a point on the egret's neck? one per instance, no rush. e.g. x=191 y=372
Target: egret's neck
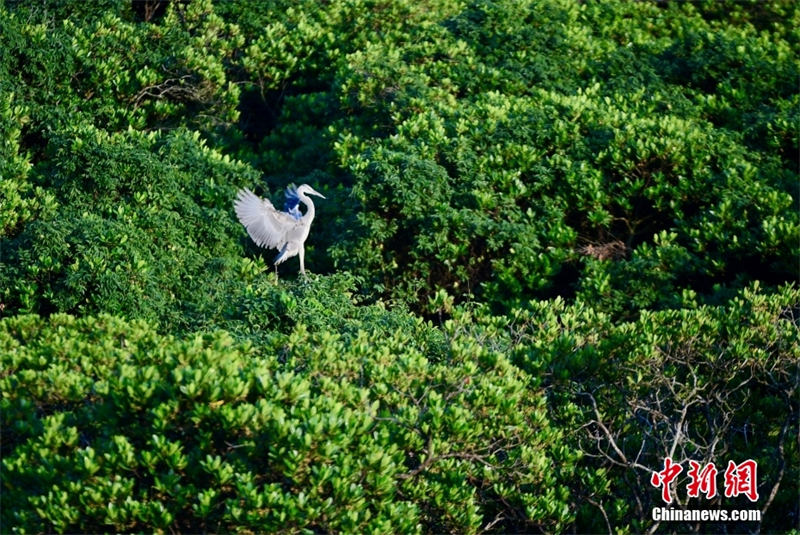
x=310 y=212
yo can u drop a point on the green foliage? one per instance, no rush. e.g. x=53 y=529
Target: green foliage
x=595 y=202
x=21 y=201
x=140 y=217
x=514 y=171
x=116 y=73
x=109 y=425
x=709 y=384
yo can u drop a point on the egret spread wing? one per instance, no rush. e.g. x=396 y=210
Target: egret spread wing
x=267 y=226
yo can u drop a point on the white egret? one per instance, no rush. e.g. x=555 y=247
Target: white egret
x=286 y=231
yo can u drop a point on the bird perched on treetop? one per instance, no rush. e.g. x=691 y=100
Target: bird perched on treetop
x=286 y=231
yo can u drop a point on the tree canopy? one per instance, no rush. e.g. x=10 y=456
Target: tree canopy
x=561 y=243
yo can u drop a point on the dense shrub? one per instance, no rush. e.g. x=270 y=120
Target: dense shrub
x=140 y=219
x=21 y=200
x=708 y=384
x=496 y=170
x=560 y=241
x=105 y=69
x=108 y=425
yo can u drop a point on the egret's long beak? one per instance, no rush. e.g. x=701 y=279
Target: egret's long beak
x=315 y=192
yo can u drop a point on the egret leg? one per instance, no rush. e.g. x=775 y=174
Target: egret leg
x=303 y=261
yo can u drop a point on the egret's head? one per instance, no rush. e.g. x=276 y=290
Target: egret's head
x=308 y=190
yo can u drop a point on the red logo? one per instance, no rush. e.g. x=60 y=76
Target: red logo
x=704 y=480
x=665 y=477
x=741 y=479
